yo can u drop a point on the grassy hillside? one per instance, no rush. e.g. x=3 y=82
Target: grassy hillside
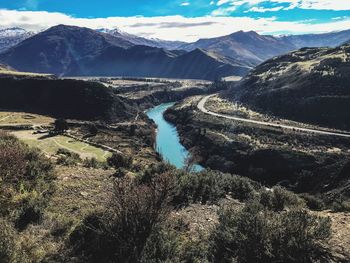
x=309 y=85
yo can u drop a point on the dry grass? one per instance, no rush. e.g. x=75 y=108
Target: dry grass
x=23 y=118
x=50 y=145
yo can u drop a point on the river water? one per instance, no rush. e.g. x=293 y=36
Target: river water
x=168 y=140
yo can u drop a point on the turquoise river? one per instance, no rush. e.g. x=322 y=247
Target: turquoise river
x=168 y=141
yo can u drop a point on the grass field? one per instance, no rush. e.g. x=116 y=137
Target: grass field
x=18 y=118
x=50 y=145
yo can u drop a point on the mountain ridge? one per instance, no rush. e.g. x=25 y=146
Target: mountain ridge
x=75 y=51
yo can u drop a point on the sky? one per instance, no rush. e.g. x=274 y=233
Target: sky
x=186 y=20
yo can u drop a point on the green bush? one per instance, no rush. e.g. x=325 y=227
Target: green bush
x=313 y=202
x=7 y=242
x=26 y=181
x=256 y=234
x=121 y=233
x=118 y=160
x=91 y=163
x=340 y=204
x=278 y=199
x=210 y=186
x=68 y=158
x=169 y=243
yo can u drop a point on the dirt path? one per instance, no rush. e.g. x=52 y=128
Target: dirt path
x=201 y=107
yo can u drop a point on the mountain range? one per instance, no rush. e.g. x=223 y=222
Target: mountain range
x=72 y=51
x=252 y=48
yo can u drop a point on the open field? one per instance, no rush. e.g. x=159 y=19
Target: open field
x=50 y=145
x=22 y=118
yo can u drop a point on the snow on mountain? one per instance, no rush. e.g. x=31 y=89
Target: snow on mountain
x=10 y=37
x=137 y=40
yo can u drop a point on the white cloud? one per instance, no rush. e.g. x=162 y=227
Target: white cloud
x=169 y=27
x=222 y=2
x=263 y=10
x=185 y=4
x=302 y=4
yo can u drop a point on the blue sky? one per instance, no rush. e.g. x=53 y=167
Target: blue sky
x=204 y=17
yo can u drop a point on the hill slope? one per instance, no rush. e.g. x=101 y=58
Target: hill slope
x=310 y=85
x=62 y=98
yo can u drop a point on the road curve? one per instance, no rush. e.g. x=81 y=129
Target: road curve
x=201 y=107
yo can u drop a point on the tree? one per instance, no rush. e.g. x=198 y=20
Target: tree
x=119 y=160
x=61 y=125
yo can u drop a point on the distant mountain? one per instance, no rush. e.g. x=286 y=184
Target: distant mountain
x=332 y=39
x=137 y=40
x=248 y=47
x=156 y=62
x=59 y=50
x=252 y=49
x=309 y=85
x=10 y=37
x=69 y=50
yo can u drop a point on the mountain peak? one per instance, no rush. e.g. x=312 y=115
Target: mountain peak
x=242 y=33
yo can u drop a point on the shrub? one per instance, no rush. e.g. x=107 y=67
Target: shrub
x=7 y=241
x=91 y=163
x=154 y=170
x=278 y=199
x=119 y=160
x=120 y=234
x=340 y=204
x=67 y=157
x=256 y=234
x=313 y=202
x=210 y=186
x=26 y=181
x=169 y=243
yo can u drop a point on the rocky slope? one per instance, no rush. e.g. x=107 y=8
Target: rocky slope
x=309 y=85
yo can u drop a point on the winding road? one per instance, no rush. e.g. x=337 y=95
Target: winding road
x=201 y=107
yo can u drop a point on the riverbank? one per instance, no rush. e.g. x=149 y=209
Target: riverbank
x=302 y=162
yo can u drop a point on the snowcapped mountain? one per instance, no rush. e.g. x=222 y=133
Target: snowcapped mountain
x=137 y=40
x=10 y=37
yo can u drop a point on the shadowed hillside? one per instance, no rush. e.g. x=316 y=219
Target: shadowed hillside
x=62 y=98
